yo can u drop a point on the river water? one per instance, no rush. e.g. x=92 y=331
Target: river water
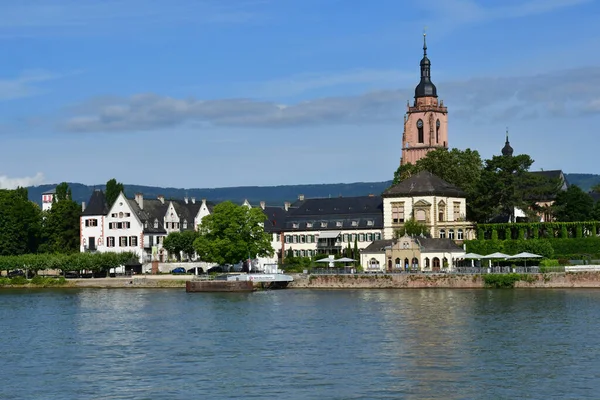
x=300 y=344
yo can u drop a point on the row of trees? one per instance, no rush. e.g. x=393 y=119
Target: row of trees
x=496 y=186
x=97 y=262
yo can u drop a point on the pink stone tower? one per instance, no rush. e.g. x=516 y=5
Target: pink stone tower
x=426 y=121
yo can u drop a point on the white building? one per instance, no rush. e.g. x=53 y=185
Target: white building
x=429 y=200
x=47 y=199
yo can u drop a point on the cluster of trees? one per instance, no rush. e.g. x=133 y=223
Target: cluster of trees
x=230 y=234
x=26 y=229
x=96 y=262
x=494 y=187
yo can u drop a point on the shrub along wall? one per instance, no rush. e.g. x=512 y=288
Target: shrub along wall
x=95 y=262
x=579 y=248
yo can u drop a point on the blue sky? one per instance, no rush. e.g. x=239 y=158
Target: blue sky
x=211 y=93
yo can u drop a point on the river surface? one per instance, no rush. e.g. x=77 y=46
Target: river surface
x=300 y=344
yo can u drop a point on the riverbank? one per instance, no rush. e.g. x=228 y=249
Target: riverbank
x=357 y=281
x=447 y=281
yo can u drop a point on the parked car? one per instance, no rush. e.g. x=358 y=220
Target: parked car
x=193 y=270
x=216 y=268
x=16 y=272
x=178 y=270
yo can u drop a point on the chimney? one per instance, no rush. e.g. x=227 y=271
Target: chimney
x=193 y=200
x=139 y=198
x=185 y=199
x=301 y=197
x=286 y=205
x=262 y=205
x=82 y=206
x=161 y=198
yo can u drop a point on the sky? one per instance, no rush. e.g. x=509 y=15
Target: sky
x=213 y=93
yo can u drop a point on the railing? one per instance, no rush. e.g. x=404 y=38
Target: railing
x=458 y=270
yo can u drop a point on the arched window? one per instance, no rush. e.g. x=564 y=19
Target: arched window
x=442 y=233
x=420 y=130
x=437 y=131
x=427 y=264
x=406 y=265
x=390 y=264
x=415 y=263
x=436 y=264
x=373 y=263
x=397 y=263
x=451 y=234
x=460 y=235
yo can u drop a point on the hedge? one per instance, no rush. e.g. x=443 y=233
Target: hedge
x=95 y=262
x=572 y=248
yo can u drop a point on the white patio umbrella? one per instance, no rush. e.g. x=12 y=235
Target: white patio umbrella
x=495 y=256
x=344 y=259
x=524 y=256
x=472 y=256
x=326 y=260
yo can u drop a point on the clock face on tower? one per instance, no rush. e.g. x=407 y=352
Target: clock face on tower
x=419 y=124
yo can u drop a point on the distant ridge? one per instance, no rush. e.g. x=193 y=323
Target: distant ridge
x=272 y=195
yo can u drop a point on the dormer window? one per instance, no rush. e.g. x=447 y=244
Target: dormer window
x=354 y=223
x=370 y=222
x=146 y=224
x=323 y=224
x=309 y=224
x=338 y=224
x=185 y=224
x=295 y=225
x=155 y=223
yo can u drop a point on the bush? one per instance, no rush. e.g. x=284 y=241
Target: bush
x=503 y=281
x=19 y=280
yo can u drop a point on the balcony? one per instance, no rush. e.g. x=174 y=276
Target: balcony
x=329 y=245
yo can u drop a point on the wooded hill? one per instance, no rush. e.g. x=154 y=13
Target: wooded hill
x=273 y=195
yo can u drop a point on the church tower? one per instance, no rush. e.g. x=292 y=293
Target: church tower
x=426 y=121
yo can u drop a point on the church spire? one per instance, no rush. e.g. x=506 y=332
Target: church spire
x=507 y=150
x=425 y=88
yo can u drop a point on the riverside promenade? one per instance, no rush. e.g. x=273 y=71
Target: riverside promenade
x=363 y=281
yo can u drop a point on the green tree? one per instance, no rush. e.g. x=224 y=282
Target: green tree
x=20 y=223
x=573 y=205
x=113 y=189
x=411 y=227
x=60 y=228
x=595 y=188
x=355 y=254
x=504 y=185
x=181 y=242
x=233 y=233
x=461 y=168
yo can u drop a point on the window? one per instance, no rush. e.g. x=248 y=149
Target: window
x=309 y=224
x=156 y=224
x=460 y=235
x=121 y=214
x=287 y=238
x=110 y=225
x=451 y=234
x=345 y=237
x=370 y=237
x=91 y=222
x=110 y=241
x=370 y=222
x=397 y=213
x=323 y=224
x=145 y=224
x=437 y=131
x=302 y=239
x=295 y=239
x=420 y=131
x=354 y=223
x=338 y=224
x=421 y=216
x=185 y=224
x=114 y=215
x=295 y=225
x=295 y=253
x=127 y=214
x=361 y=237
x=276 y=237
x=378 y=236
x=456 y=210
x=133 y=241
x=123 y=241
x=442 y=233
x=353 y=237
x=441 y=216
x=119 y=225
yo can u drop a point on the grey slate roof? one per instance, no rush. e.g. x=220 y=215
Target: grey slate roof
x=553 y=174
x=379 y=246
x=186 y=211
x=276 y=218
x=153 y=209
x=424 y=184
x=51 y=191
x=362 y=212
x=97 y=204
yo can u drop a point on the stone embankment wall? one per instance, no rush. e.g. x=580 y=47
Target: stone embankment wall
x=406 y=281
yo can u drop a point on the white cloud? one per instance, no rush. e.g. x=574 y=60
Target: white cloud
x=25 y=85
x=13 y=183
x=561 y=93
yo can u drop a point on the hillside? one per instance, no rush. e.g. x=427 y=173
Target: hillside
x=271 y=194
